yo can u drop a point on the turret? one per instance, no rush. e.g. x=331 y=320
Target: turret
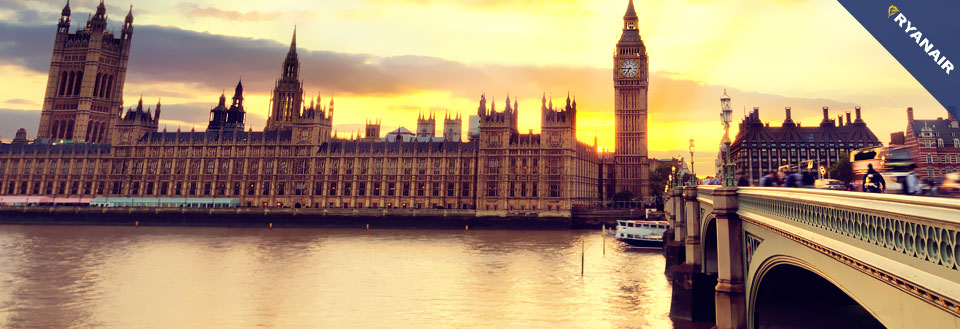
x=482 y=110
x=64 y=25
x=156 y=116
x=127 y=30
x=99 y=20
x=238 y=95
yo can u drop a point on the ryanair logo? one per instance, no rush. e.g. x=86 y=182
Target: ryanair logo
x=926 y=45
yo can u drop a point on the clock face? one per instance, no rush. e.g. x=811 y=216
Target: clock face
x=629 y=68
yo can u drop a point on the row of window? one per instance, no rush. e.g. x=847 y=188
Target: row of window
x=237 y=167
x=858 y=144
x=942 y=158
x=929 y=143
x=239 y=189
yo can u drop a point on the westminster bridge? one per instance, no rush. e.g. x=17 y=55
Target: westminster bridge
x=754 y=257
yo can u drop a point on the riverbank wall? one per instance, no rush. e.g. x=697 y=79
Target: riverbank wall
x=310 y=217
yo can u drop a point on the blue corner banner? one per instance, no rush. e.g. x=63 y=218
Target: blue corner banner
x=922 y=36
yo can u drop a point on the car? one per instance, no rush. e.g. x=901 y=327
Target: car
x=829 y=184
x=951 y=184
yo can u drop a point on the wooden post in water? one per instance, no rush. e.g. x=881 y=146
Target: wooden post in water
x=603 y=238
x=581 y=255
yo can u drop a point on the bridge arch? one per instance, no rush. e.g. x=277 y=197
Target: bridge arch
x=708 y=240
x=787 y=291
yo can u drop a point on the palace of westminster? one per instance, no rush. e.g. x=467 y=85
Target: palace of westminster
x=87 y=146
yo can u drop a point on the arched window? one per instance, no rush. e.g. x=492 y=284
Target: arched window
x=103 y=86
x=76 y=87
x=63 y=83
x=55 y=129
x=939 y=143
x=69 y=86
x=956 y=143
x=89 y=130
x=96 y=86
x=69 y=130
x=103 y=132
x=109 y=87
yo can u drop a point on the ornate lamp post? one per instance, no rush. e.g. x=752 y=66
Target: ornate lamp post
x=673 y=176
x=693 y=173
x=729 y=176
x=680 y=172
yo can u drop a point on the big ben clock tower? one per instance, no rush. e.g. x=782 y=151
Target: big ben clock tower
x=630 y=72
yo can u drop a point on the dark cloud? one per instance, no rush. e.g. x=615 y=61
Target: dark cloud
x=214 y=62
x=163 y=54
x=194 y=10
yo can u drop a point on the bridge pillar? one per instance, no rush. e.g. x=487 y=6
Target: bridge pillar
x=730 y=297
x=674 y=250
x=693 y=291
x=692 y=225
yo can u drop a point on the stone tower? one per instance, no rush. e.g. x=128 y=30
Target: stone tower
x=84 y=94
x=135 y=123
x=452 y=128
x=288 y=93
x=223 y=118
x=372 y=130
x=558 y=126
x=630 y=73
x=426 y=125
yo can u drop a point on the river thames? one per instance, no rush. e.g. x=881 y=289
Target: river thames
x=189 y=277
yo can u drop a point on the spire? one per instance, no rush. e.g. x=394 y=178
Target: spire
x=239 y=91
x=66 y=10
x=129 y=18
x=631 y=14
x=156 y=115
x=293 y=43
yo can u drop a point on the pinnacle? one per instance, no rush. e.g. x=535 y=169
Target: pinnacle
x=631 y=13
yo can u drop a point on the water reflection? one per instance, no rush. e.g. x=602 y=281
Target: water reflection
x=169 y=277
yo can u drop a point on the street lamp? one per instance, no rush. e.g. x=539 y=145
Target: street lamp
x=680 y=171
x=673 y=176
x=726 y=113
x=693 y=173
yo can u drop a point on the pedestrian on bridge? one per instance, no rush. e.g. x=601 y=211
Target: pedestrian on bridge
x=873 y=182
x=912 y=181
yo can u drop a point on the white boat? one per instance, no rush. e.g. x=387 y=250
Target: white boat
x=641 y=233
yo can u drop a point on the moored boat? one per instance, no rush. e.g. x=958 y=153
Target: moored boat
x=639 y=233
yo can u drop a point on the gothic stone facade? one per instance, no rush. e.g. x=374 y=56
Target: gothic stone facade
x=85 y=84
x=298 y=162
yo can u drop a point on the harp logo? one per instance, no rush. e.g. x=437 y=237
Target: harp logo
x=925 y=44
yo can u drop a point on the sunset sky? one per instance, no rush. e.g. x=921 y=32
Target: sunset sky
x=392 y=59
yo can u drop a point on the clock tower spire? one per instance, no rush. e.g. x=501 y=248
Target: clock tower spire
x=630 y=84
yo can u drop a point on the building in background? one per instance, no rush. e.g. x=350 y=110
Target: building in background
x=759 y=148
x=297 y=160
x=934 y=144
x=630 y=82
x=84 y=92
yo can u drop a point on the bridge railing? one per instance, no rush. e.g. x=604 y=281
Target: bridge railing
x=909 y=240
